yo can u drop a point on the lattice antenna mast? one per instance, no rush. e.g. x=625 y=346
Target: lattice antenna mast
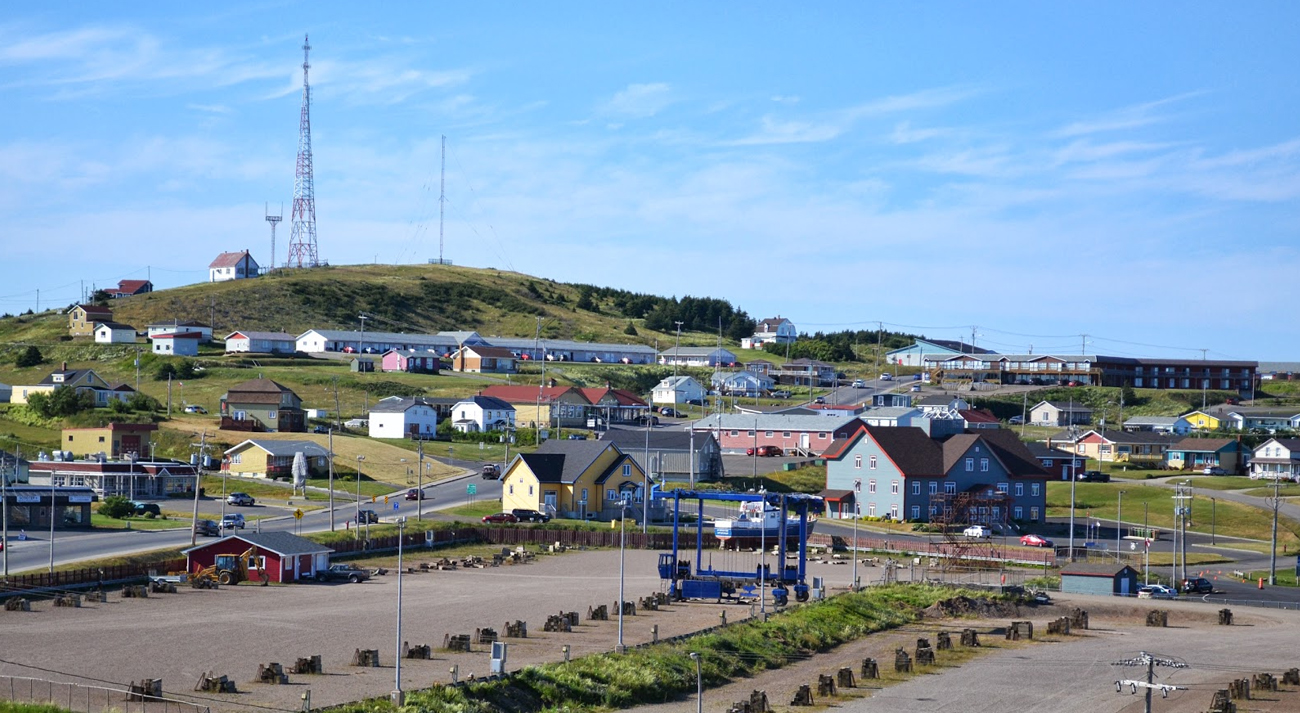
x=273 y=220
x=302 y=242
x=442 y=199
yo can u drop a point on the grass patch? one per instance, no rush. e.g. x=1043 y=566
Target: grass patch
x=476 y=511
x=1099 y=500
x=173 y=521
x=1285 y=577
x=663 y=672
x=809 y=479
x=1286 y=491
x=1223 y=482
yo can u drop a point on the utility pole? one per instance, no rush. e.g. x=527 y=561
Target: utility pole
x=4 y=506
x=677 y=348
x=331 y=464
x=1272 y=551
x=419 y=479
x=880 y=344
x=1146 y=659
x=361 y=343
x=1182 y=509
x=198 y=484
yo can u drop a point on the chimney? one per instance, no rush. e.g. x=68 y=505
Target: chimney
x=552 y=383
x=65 y=366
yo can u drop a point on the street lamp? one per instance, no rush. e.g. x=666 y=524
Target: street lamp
x=857 y=514
x=699 y=684
x=1119 y=508
x=398 y=698
x=621 y=550
x=1211 y=521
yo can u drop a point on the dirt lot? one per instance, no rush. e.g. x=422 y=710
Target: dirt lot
x=230 y=631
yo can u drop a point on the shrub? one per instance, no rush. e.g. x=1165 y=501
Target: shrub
x=116 y=507
x=31 y=356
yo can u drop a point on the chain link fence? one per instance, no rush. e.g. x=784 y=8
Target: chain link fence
x=82 y=698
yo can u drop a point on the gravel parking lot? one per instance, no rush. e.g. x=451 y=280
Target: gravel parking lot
x=177 y=637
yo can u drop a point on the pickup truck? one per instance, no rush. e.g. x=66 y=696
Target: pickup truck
x=343 y=573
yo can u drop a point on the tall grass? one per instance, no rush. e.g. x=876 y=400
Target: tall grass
x=662 y=672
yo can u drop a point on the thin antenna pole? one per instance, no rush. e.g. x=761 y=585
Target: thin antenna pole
x=442 y=199
x=273 y=220
x=302 y=242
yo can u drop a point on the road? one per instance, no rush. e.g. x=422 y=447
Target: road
x=74 y=546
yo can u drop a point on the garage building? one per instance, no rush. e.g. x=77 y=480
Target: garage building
x=1103 y=579
x=285 y=557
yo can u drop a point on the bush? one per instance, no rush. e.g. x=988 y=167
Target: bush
x=116 y=507
x=149 y=515
x=31 y=356
x=63 y=401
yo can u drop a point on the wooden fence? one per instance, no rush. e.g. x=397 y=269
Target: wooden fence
x=90 y=575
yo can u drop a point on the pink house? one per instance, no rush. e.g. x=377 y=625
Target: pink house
x=809 y=435
x=410 y=361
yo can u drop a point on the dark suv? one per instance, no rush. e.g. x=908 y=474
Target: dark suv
x=1093 y=476
x=526 y=515
x=1199 y=585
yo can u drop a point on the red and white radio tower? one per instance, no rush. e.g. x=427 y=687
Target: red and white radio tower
x=302 y=241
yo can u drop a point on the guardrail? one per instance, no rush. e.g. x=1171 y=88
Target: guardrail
x=89 y=699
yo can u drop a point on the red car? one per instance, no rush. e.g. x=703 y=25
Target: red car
x=500 y=517
x=1032 y=540
x=417 y=494
x=764 y=451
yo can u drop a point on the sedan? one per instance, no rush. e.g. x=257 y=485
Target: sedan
x=1198 y=585
x=417 y=494
x=665 y=411
x=1214 y=470
x=1032 y=540
x=1156 y=591
x=979 y=531
x=500 y=517
x=243 y=499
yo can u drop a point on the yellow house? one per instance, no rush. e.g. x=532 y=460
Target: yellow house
x=82 y=319
x=574 y=479
x=116 y=440
x=1202 y=421
x=274 y=459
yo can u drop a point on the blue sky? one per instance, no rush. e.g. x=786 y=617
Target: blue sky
x=1036 y=170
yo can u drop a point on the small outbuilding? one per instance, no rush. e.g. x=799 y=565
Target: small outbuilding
x=285 y=557
x=1103 y=579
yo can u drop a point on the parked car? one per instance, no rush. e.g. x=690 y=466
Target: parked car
x=781 y=394
x=195 y=408
x=1032 y=540
x=1156 y=591
x=356 y=423
x=859 y=384
x=819 y=400
x=232 y=521
x=1199 y=585
x=979 y=531
x=695 y=402
x=667 y=411
x=207 y=528
x=501 y=517
x=1214 y=470
x=491 y=471
x=417 y=494
x=764 y=451
x=139 y=509
x=343 y=573
x=243 y=499
x=526 y=515
x=367 y=517
x=1016 y=420
x=320 y=429
x=916 y=387
x=886 y=377
x=1093 y=476
x=577 y=436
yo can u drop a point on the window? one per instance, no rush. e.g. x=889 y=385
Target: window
x=101 y=439
x=916 y=488
x=750 y=434
x=1033 y=514
x=611 y=494
x=735 y=433
x=237 y=458
x=821 y=436
x=270 y=414
x=970 y=465
x=949 y=487
x=584 y=495
x=530 y=490
x=768 y=434
x=871 y=510
x=1047 y=462
x=70 y=438
x=1002 y=488
x=857 y=462
x=873 y=462
x=1020 y=489
x=1020 y=513
x=871 y=486
x=627 y=470
x=1033 y=488
x=984 y=465
x=893 y=487
x=785 y=434
x=893 y=511
x=934 y=487
x=916 y=512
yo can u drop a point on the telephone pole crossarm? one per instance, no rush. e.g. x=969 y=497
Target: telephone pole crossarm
x=1164 y=688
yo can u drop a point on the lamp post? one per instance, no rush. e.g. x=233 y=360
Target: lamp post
x=1073 y=478
x=699 y=684
x=1119 y=508
x=358 y=520
x=1211 y=521
x=857 y=514
x=398 y=698
x=621 y=550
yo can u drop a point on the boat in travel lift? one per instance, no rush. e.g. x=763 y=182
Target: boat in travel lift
x=756 y=522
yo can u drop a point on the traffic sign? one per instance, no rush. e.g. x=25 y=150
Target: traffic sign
x=297 y=514
x=396 y=505
x=471 y=489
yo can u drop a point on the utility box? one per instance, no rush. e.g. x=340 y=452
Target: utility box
x=498 y=664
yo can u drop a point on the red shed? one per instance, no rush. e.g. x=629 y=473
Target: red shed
x=285 y=557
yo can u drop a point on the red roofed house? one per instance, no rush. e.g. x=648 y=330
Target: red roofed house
x=554 y=405
x=615 y=405
x=980 y=418
x=283 y=556
x=233 y=266
x=177 y=343
x=127 y=288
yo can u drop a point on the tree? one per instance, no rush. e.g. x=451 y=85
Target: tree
x=630 y=330
x=31 y=356
x=63 y=401
x=101 y=297
x=116 y=507
x=586 y=302
x=142 y=402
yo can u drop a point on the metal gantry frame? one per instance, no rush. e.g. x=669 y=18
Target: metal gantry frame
x=704 y=581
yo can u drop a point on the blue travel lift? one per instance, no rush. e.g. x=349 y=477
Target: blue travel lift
x=706 y=582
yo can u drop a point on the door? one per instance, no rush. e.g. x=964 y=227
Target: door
x=549 y=500
x=1124 y=583
x=803 y=441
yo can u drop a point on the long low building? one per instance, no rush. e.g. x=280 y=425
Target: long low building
x=129 y=479
x=319 y=341
x=1092 y=369
x=811 y=435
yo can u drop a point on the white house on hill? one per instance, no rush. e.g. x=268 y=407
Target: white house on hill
x=233 y=266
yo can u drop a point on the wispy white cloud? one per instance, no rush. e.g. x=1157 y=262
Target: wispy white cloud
x=639 y=101
x=904 y=133
x=780 y=99
x=829 y=125
x=210 y=108
x=1130 y=117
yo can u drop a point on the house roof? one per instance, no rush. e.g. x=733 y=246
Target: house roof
x=488 y=352
x=770 y=324
x=69 y=376
x=283 y=448
x=132 y=287
x=622 y=396
x=398 y=404
x=911 y=449
x=554 y=345
x=771 y=422
x=281 y=543
x=114 y=426
x=1206 y=445
x=229 y=259
x=634 y=440
x=256 y=391
x=673 y=382
x=695 y=351
x=935 y=400
x=978 y=415
x=1153 y=421
x=894 y=412
x=1065 y=406
x=575 y=456
x=487 y=402
x=93 y=310
x=615 y=467
x=548 y=467
x=836 y=495
x=1291 y=444
x=1040 y=451
x=1094 y=570
x=175 y=323
x=530 y=394
x=178 y=335
x=948 y=344
x=272 y=336
x=115 y=326
x=1145 y=437
x=1012 y=452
